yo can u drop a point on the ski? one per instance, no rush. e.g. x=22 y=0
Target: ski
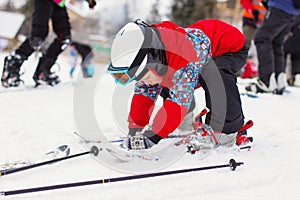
x=121 y=139
x=60 y=151
x=57 y=158
x=129 y=156
x=117 y=156
x=12 y=165
x=123 y=156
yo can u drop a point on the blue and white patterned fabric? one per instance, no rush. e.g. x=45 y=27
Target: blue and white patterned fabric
x=150 y=92
x=186 y=79
x=201 y=45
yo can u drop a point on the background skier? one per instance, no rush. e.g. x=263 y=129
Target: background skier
x=42 y=13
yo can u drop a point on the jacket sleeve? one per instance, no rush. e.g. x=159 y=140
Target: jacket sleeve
x=142 y=105
x=175 y=108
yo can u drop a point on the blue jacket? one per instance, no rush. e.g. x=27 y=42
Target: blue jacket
x=283 y=5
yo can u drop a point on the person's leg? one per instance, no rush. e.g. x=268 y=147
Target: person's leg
x=249 y=32
x=295 y=59
x=62 y=28
x=279 y=53
x=84 y=70
x=39 y=29
x=223 y=98
x=265 y=34
x=87 y=67
x=12 y=63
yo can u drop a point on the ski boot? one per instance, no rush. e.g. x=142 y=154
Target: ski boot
x=43 y=73
x=205 y=138
x=11 y=70
x=242 y=140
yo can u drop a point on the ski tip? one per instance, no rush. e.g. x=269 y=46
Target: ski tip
x=64 y=148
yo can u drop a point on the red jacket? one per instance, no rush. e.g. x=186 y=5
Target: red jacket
x=184 y=53
x=250 y=5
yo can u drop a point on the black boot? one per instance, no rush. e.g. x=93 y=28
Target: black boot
x=11 y=70
x=43 y=73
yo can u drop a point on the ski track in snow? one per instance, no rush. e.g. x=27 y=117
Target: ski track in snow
x=37 y=120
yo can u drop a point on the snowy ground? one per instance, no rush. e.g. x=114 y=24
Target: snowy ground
x=34 y=121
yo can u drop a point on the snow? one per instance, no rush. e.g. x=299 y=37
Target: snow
x=11 y=24
x=35 y=121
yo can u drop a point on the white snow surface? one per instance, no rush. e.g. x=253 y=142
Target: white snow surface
x=34 y=121
x=11 y=25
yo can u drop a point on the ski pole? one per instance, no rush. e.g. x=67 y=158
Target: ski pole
x=232 y=165
x=11 y=171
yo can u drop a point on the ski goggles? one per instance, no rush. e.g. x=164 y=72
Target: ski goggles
x=120 y=75
x=124 y=75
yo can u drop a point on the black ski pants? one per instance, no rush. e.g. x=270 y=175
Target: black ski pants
x=269 y=40
x=44 y=11
x=219 y=81
x=291 y=47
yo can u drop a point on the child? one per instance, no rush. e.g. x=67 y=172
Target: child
x=86 y=53
x=207 y=53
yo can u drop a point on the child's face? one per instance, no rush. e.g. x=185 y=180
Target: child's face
x=151 y=78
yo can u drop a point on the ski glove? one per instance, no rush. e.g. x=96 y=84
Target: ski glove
x=92 y=3
x=137 y=142
x=141 y=141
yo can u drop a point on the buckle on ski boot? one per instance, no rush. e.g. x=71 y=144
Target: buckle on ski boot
x=47 y=78
x=10 y=75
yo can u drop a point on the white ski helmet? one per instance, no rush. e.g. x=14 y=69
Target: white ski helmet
x=127 y=55
x=131 y=52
